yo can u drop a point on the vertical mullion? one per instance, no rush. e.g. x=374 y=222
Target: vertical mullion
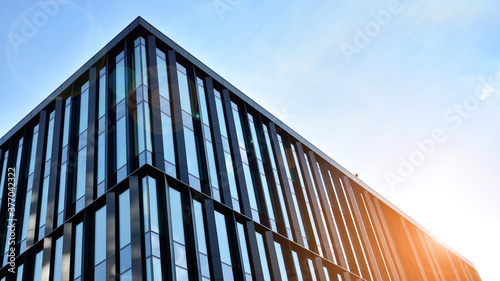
x=47 y=257
x=388 y=234
x=313 y=202
x=351 y=223
x=111 y=237
x=339 y=219
x=382 y=238
x=136 y=233
x=361 y=226
x=330 y=219
x=372 y=236
x=217 y=141
x=254 y=166
x=272 y=182
x=235 y=151
x=182 y=169
x=54 y=167
x=90 y=186
x=37 y=180
x=67 y=251
x=272 y=256
x=213 y=242
x=253 y=250
x=286 y=188
x=167 y=252
x=158 y=159
x=198 y=128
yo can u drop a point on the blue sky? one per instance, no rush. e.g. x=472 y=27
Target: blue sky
x=413 y=90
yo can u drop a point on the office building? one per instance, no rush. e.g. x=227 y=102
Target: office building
x=147 y=165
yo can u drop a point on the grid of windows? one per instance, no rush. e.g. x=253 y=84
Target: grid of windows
x=182 y=230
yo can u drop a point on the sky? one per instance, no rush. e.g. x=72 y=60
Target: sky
x=404 y=93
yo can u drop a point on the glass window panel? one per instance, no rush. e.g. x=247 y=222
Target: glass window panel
x=124 y=217
x=204 y=266
x=165 y=106
x=19 y=276
x=244 y=249
x=102 y=93
x=126 y=258
x=140 y=128
x=168 y=138
x=311 y=270
x=180 y=255
x=220 y=222
x=33 y=153
x=155 y=245
x=239 y=129
x=192 y=156
x=26 y=216
x=58 y=254
x=100 y=236
x=18 y=161
x=281 y=261
x=220 y=114
x=147 y=127
x=297 y=265
x=127 y=276
x=101 y=157
x=43 y=206
x=84 y=111
x=138 y=64
x=81 y=173
x=120 y=78
x=231 y=177
x=200 y=227
x=203 y=102
x=327 y=274
x=121 y=144
x=50 y=137
x=182 y=274
x=37 y=274
x=263 y=256
x=184 y=90
x=77 y=261
x=176 y=216
x=153 y=205
x=67 y=112
x=100 y=272
x=4 y=174
x=157 y=269
x=227 y=272
x=214 y=181
x=62 y=189
x=163 y=78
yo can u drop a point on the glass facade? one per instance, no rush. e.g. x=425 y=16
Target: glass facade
x=98 y=195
